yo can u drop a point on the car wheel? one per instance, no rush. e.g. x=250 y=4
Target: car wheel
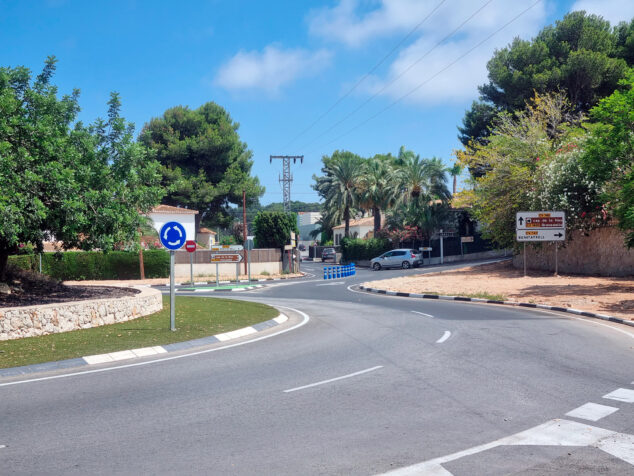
x=376 y=267
x=405 y=265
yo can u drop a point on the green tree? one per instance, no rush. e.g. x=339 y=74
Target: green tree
x=85 y=186
x=580 y=55
x=423 y=180
x=205 y=165
x=273 y=229
x=610 y=154
x=455 y=170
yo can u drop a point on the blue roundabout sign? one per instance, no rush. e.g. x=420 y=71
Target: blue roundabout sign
x=173 y=235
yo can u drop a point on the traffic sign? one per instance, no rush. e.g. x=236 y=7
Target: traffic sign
x=226 y=257
x=540 y=226
x=227 y=248
x=172 y=235
x=190 y=245
x=466 y=239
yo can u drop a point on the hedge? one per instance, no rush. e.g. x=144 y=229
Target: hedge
x=94 y=265
x=357 y=249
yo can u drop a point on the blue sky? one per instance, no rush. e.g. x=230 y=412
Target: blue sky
x=277 y=66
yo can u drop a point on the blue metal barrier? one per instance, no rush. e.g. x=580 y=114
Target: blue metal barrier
x=335 y=272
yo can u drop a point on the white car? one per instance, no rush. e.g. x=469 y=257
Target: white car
x=402 y=258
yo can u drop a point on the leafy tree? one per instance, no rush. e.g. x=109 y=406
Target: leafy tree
x=205 y=165
x=85 y=186
x=273 y=229
x=533 y=161
x=580 y=55
x=423 y=180
x=455 y=170
x=610 y=154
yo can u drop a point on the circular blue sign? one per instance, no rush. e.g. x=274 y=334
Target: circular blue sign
x=173 y=235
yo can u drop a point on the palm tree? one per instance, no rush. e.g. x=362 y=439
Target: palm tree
x=423 y=180
x=344 y=173
x=455 y=172
x=377 y=188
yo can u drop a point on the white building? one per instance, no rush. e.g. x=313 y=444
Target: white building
x=162 y=214
x=359 y=228
x=307 y=218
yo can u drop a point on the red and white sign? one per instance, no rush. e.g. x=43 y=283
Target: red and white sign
x=190 y=245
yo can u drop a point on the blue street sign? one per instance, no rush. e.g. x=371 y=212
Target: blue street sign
x=172 y=235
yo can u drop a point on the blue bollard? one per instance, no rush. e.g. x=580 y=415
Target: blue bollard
x=329 y=272
x=348 y=270
x=325 y=273
x=354 y=270
x=338 y=271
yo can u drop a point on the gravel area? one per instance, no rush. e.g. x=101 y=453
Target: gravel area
x=605 y=295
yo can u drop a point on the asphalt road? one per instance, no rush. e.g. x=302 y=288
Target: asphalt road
x=354 y=383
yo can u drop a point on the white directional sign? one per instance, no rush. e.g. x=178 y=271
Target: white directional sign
x=227 y=248
x=540 y=226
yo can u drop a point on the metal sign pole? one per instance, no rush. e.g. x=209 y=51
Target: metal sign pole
x=524 y=259
x=40 y=263
x=442 y=255
x=249 y=267
x=217 y=279
x=172 y=294
x=556 y=259
x=237 y=273
x=191 y=268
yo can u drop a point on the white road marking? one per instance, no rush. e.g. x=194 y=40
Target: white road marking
x=423 y=314
x=305 y=320
x=444 y=337
x=334 y=283
x=591 y=411
x=622 y=395
x=552 y=433
x=3 y=446
x=333 y=379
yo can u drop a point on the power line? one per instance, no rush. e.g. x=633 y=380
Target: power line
x=365 y=76
x=396 y=78
x=420 y=85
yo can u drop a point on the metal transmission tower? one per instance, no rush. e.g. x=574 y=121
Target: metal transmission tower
x=286 y=177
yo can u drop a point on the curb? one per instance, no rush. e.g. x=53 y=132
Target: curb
x=142 y=352
x=506 y=303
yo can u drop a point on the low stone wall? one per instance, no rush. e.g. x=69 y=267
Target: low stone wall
x=29 y=321
x=601 y=253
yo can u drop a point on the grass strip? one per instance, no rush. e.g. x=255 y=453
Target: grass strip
x=195 y=318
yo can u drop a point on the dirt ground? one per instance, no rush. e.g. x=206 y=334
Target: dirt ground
x=604 y=295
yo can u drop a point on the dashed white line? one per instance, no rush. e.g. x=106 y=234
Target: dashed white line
x=423 y=314
x=444 y=337
x=622 y=395
x=591 y=411
x=3 y=446
x=333 y=379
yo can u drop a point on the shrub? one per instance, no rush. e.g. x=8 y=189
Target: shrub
x=358 y=249
x=93 y=265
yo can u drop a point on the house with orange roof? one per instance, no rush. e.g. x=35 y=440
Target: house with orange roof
x=359 y=228
x=162 y=214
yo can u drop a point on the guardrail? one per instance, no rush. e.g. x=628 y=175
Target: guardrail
x=334 y=272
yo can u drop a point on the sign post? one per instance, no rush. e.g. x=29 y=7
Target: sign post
x=190 y=246
x=172 y=236
x=541 y=226
x=249 y=247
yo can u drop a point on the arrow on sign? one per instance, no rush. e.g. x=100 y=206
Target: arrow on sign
x=521 y=220
x=559 y=235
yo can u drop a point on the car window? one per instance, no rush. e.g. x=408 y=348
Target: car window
x=388 y=254
x=399 y=253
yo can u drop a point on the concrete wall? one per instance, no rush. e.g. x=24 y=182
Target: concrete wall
x=29 y=321
x=601 y=253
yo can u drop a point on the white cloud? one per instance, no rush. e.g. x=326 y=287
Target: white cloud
x=346 y=23
x=614 y=11
x=270 y=69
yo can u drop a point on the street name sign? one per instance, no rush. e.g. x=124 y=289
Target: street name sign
x=226 y=257
x=466 y=239
x=540 y=226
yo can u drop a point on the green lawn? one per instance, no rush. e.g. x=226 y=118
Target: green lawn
x=195 y=318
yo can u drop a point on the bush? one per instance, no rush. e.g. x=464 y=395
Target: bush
x=93 y=265
x=358 y=249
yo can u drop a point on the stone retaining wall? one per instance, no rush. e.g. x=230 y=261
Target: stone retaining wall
x=29 y=321
x=601 y=253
